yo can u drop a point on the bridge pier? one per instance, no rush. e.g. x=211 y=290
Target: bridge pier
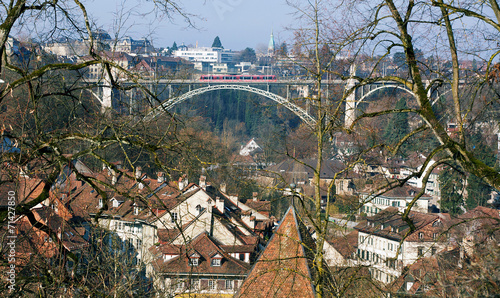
x=350 y=101
x=107 y=98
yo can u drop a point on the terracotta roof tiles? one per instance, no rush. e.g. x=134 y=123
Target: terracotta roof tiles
x=282 y=269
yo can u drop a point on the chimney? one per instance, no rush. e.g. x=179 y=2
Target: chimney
x=183 y=182
x=223 y=187
x=248 y=219
x=161 y=177
x=219 y=203
x=138 y=172
x=254 y=196
x=203 y=183
x=113 y=179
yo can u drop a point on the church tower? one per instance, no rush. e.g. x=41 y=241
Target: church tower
x=271 y=47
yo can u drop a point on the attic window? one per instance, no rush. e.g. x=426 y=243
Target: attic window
x=216 y=260
x=437 y=223
x=194 y=260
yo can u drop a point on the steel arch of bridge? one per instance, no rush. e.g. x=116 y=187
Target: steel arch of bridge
x=385 y=87
x=400 y=87
x=303 y=115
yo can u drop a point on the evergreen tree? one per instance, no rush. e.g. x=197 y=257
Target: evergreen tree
x=451 y=184
x=283 y=50
x=478 y=192
x=217 y=43
x=397 y=127
x=247 y=55
x=399 y=60
x=172 y=49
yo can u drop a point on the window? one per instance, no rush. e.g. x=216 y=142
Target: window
x=229 y=284
x=198 y=209
x=195 y=284
x=420 y=235
x=174 y=216
x=433 y=251
x=212 y=284
x=180 y=285
x=194 y=262
x=437 y=223
x=420 y=251
x=216 y=262
x=435 y=236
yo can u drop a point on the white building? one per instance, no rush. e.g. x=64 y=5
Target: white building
x=384 y=246
x=250 y=148
x=205 y=54
x=399 y=197
x=432 y=186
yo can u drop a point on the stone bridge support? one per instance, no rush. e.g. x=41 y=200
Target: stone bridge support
x=350 y=100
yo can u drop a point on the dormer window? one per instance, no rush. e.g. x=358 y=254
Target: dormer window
x=216 y=260
x=194 y=260
x=420 y=235
x=198 y=209
x=100 y=203
x=437 y=223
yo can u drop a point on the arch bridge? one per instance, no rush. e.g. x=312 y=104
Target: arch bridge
x=300 y=112
x=358 y=94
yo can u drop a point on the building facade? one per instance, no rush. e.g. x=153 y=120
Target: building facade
x=387 y=246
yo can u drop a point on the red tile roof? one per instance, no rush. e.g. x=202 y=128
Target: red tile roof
x=263 y=207
x=346 y=245
x=390 y=224
x=206 y=247
x=282 y=269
